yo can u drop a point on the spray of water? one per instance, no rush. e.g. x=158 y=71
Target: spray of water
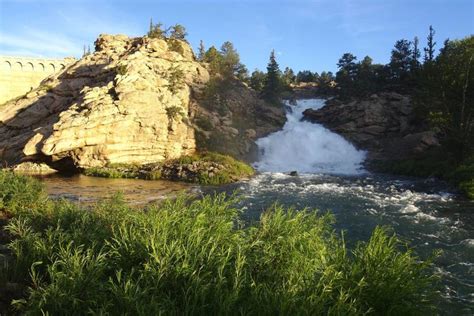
x=308 y=148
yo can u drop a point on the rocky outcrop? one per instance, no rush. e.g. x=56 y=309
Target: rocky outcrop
x=231 y=117
x=383 y=124
x=133 y=101
x=127 y=102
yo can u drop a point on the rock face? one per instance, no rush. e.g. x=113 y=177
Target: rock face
x=382 y=124
x=129 y=102
x=233 y=117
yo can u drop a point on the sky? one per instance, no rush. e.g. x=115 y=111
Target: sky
x=310 y=35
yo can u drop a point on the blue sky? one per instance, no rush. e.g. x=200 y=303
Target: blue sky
x=305 y=34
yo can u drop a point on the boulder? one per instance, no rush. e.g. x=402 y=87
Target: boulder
x=383 y=124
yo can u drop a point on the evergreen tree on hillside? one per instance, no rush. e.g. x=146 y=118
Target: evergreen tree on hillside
x=214 y=59
x=401 y=60
x=257 y=80
x=429 y=49
x=202 y=51
x=346 y=75
x=447 y=96
x=305 y=76
x=155 y=30
x=230 y=60
x=272 y=88
x=365 y=82
x=178 y=32
x=242 y=73
x=415 y=55
x=288 y=76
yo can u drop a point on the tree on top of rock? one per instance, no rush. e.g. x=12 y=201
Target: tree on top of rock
x=178 y=32
x=272 y=88
x=202 y=51
x=401 y=60
x=155 y=30
x=347 y=73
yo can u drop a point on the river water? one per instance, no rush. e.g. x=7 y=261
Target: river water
x=426 y=213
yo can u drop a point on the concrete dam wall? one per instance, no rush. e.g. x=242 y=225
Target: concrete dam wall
x=18 y=75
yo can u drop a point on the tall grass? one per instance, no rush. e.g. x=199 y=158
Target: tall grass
x=197 y=257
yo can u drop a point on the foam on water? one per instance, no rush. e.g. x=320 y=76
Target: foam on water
x=306 y=147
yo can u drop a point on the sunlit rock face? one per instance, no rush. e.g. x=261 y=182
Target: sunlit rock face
x=128 y=102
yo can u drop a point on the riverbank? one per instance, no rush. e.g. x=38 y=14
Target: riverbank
x=196 y=256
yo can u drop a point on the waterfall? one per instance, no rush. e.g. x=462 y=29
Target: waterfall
x=307 y=147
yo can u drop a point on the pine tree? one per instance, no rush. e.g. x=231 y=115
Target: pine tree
x=401 y=59
x=214 y=59
x=289 y=76
x=178 y=32
x=346 y=75
x=257 y=80
x=230 y=60
x=272 y=88
x=156 y=30
x=202 y=51
x=429 y=49
x=415 y=55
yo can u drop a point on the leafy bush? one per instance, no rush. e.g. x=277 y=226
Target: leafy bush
x=175 y=79
x=197 y=257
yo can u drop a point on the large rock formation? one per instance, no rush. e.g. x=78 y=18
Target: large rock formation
x=132 y=101
x=383 y=124
x=128 y=102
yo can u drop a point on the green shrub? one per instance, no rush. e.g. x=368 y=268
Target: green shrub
x=18 y=193
x=121 y=70
x=114 y=171
x=175 y=46
x=463 y=176
x=175 y=79
x=197 y=257
x=204 y=123
x=174 y=112
x=437 y=163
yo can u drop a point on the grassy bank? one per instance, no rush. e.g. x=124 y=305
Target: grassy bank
x=435 y=163
x=196 y=257
x=206 y=168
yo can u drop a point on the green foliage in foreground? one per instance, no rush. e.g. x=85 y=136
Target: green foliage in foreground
x=197 y=169
x=197 y=257
x=435 y=163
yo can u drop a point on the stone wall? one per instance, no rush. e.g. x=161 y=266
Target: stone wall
x=18 y=75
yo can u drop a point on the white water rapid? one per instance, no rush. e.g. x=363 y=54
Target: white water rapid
x=308 y=148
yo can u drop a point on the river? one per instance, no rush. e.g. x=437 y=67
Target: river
x=426 y=213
